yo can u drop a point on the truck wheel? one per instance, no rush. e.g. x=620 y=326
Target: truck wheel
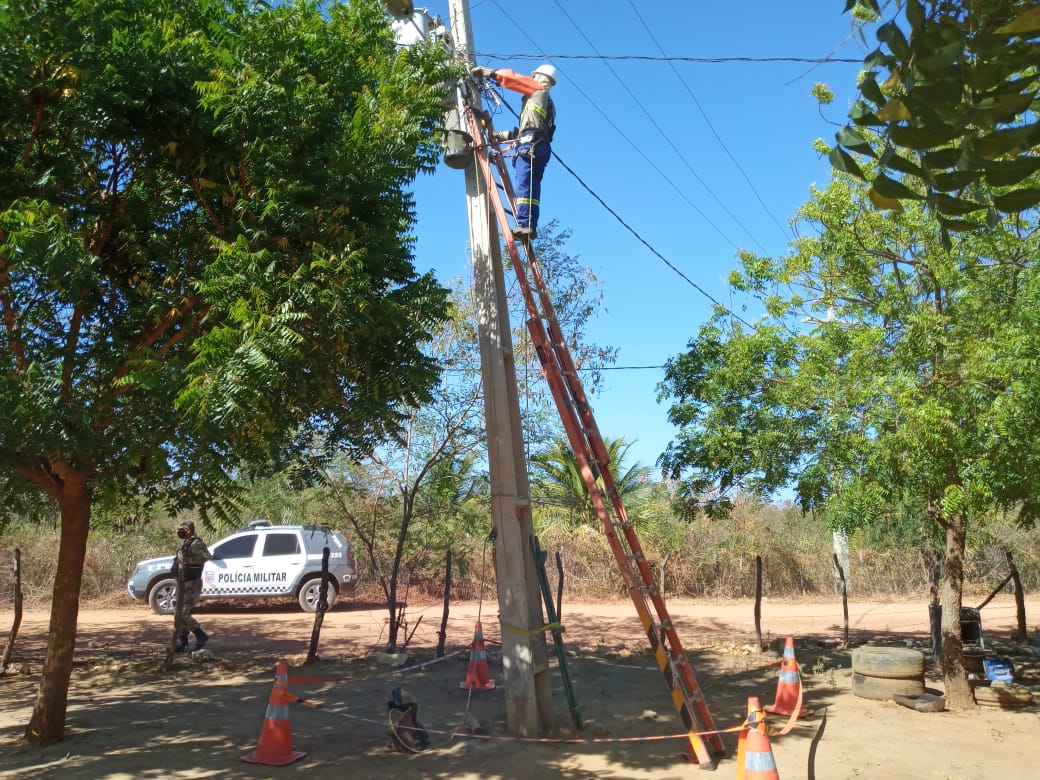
x=309 y=592
x=889 y=662
x=162 y=598
x=884 y=688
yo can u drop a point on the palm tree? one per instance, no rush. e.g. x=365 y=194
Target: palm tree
x=558 y=485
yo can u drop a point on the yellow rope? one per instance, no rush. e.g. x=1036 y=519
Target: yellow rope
x=531 y=632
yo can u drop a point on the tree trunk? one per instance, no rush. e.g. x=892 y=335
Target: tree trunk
x=758 y=602
x=47 y=723
x=442 y=635
x=5 y=657
x=407 y=504
x=958 y=692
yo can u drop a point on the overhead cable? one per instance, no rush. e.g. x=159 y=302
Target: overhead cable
x=661 y=131
x=648 y=58
x=707 y=121
x=649 y=246
x=630 y=142
x=631 y=229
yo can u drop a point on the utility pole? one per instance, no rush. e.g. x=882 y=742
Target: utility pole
x=524 y=657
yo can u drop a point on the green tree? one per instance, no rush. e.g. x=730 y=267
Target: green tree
x=423 y=483
x=412 y=497
x=884 y=376
x=204 y=264
x=576 y=296
x=434 y=459
x=557 y=481
x=951 y=93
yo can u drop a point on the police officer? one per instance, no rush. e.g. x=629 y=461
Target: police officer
x=534 y=139
x=191 y=557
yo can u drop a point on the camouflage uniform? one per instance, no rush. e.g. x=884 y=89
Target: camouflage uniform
x=190 y=558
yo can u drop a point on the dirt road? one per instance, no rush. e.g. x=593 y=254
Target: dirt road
x=128 y=721
x=355 y=628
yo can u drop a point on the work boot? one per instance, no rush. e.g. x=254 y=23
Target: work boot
x=182 y=643
x=201 y=637
x=523 y=233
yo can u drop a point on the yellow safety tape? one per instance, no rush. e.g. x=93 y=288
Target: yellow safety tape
x=567 y=741
x=397 y=670
x=533 y=631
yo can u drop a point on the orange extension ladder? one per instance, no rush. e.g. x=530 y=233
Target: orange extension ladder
x=591 y=453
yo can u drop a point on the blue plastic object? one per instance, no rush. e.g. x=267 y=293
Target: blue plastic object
x=999 y=669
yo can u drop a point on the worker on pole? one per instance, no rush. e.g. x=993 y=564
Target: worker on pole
x=534 y=139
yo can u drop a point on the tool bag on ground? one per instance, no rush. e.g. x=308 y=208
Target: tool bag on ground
x=406 y=733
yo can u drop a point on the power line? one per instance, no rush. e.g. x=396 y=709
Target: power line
x=630 y=142
x=609 y=209
x=826 y=59
x=659 y=129
x=707 y=120
x=649 y=58
x=649 y=246
x=631 y=229
x=586 y=369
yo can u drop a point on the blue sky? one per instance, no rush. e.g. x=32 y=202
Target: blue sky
x=620 y=138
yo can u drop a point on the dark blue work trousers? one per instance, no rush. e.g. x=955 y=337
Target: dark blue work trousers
x=528 y=168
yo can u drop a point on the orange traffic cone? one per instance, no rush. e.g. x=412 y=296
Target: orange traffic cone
x=789 y=686
x=754 y=755
x=275 y=746
x=477 y=671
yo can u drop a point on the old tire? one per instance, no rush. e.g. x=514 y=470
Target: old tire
x=162 y=597
x=884 y=688
x=309 y=592
x=1005 y=697
x=893 y=663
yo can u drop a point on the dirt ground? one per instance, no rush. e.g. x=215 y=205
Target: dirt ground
x=128 y=721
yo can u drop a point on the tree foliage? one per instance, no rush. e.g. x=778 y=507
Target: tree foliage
x=576 y=298
x=951 y=93
x=204 y=256
x=887 y=375
x=559 y=486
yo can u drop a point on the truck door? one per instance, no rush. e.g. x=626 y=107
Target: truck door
x=280 y=563
x=231 y=573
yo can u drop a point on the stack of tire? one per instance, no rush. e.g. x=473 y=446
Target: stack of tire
x=882 y=672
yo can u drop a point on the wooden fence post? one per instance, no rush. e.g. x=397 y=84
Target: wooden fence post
x=844 y=599
x=322 y=608
x=1020 y=600
x=442 y=635
x=758 y=602
x=5 y=659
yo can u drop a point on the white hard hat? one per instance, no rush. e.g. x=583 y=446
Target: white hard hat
x=548 y=71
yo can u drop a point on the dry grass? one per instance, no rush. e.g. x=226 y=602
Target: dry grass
x=708 y=559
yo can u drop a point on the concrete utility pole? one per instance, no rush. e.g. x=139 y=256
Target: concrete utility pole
x=524 y=658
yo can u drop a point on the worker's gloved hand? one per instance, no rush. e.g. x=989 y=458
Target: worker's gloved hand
x=481 y=73
x=504 y=135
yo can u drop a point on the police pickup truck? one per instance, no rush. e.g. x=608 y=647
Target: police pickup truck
x=262 y=561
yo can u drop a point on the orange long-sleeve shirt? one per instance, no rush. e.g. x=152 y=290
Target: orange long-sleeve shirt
x=538 y=114
x=517 y=82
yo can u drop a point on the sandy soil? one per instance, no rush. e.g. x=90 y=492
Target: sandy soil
x=127 y=721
